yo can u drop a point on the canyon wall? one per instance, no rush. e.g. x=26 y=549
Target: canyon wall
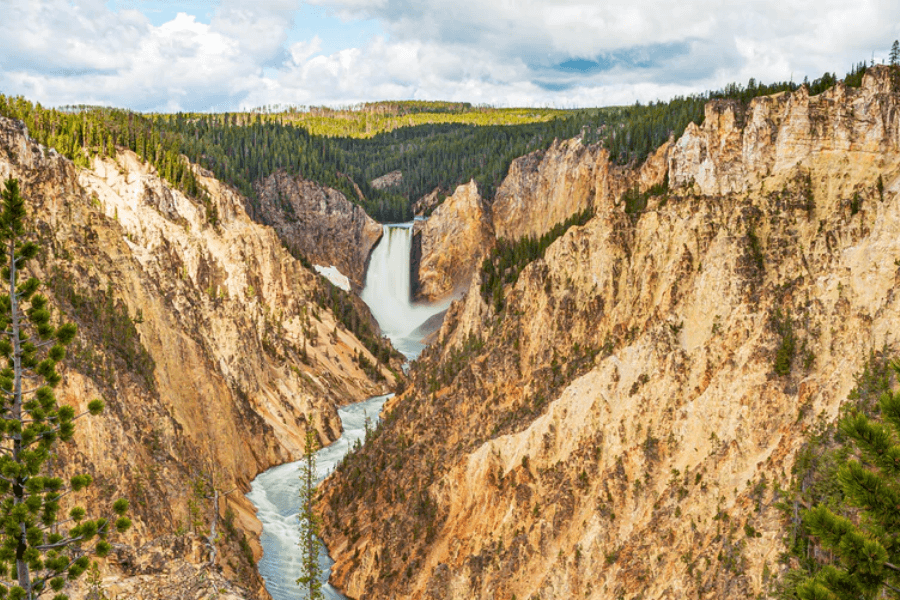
x=545 y=188
x=212 y=347
x=318 y=223
x=620 y=429
x=541 y=190
x=451 y=244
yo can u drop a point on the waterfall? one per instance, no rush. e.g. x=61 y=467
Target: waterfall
x=275 y=493
x=387 y=292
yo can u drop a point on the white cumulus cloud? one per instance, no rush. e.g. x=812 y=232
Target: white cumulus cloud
x=527 y=52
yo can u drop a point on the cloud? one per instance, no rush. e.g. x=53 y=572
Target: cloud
x=57 y=37
x=659 y=41
x=302 y=51
x=531 y=52
x=58 y=52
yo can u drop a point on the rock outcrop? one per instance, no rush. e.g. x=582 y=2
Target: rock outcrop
x=318 y=223
x=212 y=347
x=388 y=180
x=427 y=203
x=451 y=244
x=545 y=188
x=736 y=147
x=542 y=190
x=620 y=429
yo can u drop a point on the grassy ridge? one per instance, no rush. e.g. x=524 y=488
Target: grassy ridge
x=371 y=119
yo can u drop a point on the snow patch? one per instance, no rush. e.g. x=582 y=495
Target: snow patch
x=334 y=276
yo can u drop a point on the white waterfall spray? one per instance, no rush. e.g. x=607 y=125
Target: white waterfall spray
x=275 y=493
x=387 y=292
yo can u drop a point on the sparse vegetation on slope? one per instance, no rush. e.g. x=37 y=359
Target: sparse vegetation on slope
x=509 y=257
x=833 y=503
x=601 y=439
x=39 y=549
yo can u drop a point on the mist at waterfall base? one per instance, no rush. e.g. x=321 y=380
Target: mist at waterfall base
x=276 y=495
x=387 y=293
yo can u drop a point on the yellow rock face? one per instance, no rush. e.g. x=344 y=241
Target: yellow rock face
x=452 y=243
x=542 y=189
x=619 y=430
x=224 y=314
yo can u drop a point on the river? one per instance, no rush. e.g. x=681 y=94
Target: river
x=275 y=493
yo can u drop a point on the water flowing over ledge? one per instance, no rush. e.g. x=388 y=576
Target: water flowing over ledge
x=387 y=293
x=275 y=493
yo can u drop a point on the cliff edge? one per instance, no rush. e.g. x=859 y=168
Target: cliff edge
x=621 y=428
x=212 y=347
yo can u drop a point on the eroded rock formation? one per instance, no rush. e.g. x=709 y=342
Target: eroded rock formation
x=206 y=341
x=542 y=190
x=319 y=223
x=388 y=180
x=620 y=429
x=545 y=188
x=424 y=205
x=451 y=243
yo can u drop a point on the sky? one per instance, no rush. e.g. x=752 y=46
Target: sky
x=224 y=55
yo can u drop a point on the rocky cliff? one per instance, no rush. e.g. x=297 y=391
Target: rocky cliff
x=427 y=203
x=542 y=189
x=451 y=244
x=388 y=180
x=211 y=346
x=621 y=429
x=545 y=188
x=318 y=223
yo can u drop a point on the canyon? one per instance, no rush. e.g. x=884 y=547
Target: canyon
x=619 y=427
x=612 y=426
x=211 y=346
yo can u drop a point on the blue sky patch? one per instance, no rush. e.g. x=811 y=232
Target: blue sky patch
x=635 y=57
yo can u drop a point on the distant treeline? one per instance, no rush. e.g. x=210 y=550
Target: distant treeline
x=241 y=148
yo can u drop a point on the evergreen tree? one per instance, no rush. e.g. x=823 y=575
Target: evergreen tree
x=309 y=521
x=38 y=550
x=868 y=548
x=895 y=53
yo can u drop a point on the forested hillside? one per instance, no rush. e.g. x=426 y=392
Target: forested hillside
x=448 y=144
x=371 y=118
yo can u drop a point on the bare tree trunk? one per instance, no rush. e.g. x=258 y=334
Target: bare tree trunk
x=22 y=574
x=212 y=527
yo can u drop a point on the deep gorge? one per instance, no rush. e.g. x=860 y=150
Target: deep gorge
x=617 y=416
x=275 y=492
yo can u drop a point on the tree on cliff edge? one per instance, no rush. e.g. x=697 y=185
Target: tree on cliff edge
x=867 y=546
x=39 y=550
x=311 y=578
x=895 y=53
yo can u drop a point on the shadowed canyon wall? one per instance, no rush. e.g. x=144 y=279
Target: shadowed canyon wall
x=209 y=344
x=318 y=223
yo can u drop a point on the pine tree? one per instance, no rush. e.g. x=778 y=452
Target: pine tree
x=309 y=521
x=38 y=549
x=895 y=53
x=867 y=548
